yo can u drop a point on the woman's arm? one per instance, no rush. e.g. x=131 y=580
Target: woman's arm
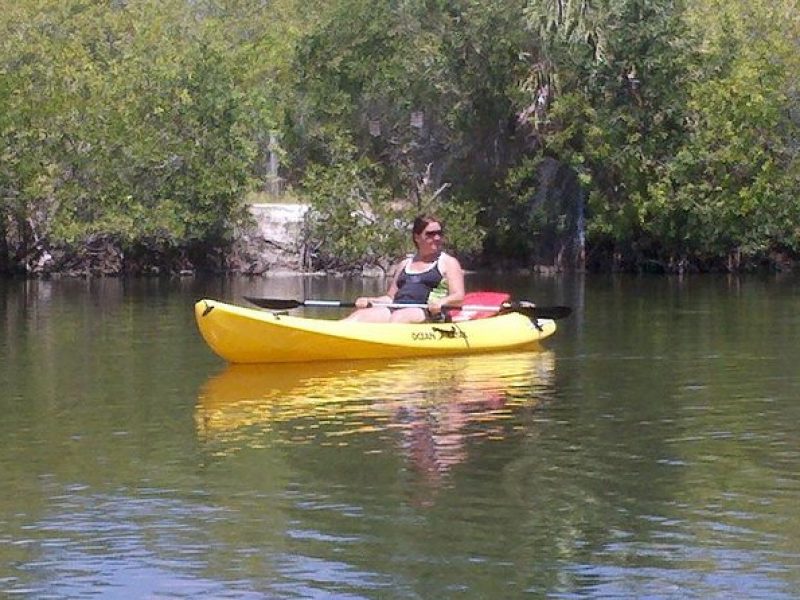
x=388 y=297
x=455 y=286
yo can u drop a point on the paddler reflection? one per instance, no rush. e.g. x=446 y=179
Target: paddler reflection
x=432 y=407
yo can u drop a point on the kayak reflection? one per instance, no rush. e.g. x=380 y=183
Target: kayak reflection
x=433 y=405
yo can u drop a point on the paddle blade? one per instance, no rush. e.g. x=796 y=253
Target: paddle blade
x=553 y=312
x=541 y=312
x=274 y=303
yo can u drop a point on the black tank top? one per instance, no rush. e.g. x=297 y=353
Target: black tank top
x=414 y=288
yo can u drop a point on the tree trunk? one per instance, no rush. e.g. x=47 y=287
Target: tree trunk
x=4 y=250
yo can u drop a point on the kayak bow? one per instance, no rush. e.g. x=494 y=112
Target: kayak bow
x=246 y=335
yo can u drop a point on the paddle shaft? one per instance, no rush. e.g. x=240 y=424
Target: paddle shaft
x=334 y=303
x=525 y=307
x=470 y=307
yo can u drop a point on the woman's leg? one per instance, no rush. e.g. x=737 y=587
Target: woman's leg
x=408 y=315
x=373 y=314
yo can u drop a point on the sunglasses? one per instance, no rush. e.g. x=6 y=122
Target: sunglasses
x=432 y=234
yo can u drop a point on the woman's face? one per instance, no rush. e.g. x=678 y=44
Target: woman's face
x=431 y=238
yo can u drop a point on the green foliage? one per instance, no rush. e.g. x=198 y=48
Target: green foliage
x=136 y=132
x=355 y=222
x=617 y=108
x=678 y=122
x=732 y=191
x=417 y=83
x=350 y=218
x=148 y=122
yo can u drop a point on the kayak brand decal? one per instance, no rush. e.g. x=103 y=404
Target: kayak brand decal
x=440 y=333
x=452 y=333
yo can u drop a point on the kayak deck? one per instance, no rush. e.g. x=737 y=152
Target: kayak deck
x=246 y=335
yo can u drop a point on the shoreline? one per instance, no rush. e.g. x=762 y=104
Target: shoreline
x=273 y=243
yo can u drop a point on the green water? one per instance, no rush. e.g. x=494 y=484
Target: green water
x=651 y=449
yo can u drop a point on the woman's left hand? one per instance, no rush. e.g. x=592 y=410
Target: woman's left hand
x=434 y=307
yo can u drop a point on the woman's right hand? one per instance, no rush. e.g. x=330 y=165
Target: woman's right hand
x=363 y=302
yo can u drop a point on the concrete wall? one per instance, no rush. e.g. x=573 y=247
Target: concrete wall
x=274 y=244
x=281 y=223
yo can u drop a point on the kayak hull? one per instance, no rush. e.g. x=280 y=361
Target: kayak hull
x=246 y=335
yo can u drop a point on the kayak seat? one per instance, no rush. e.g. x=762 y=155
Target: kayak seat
x=480 y=299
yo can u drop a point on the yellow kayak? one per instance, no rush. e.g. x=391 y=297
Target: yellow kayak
x=247 y=335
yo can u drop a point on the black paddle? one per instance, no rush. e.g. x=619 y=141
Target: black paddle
x=524 y=307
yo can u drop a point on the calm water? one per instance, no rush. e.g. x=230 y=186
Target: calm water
x=650 y=449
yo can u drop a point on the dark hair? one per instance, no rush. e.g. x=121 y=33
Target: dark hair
x=422 y=221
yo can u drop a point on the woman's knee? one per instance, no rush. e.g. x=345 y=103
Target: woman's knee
x=408 y=315
x=370 y=315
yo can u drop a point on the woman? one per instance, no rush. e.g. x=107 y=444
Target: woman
x=430 y=277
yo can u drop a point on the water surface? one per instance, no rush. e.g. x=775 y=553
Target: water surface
x=649 y=449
